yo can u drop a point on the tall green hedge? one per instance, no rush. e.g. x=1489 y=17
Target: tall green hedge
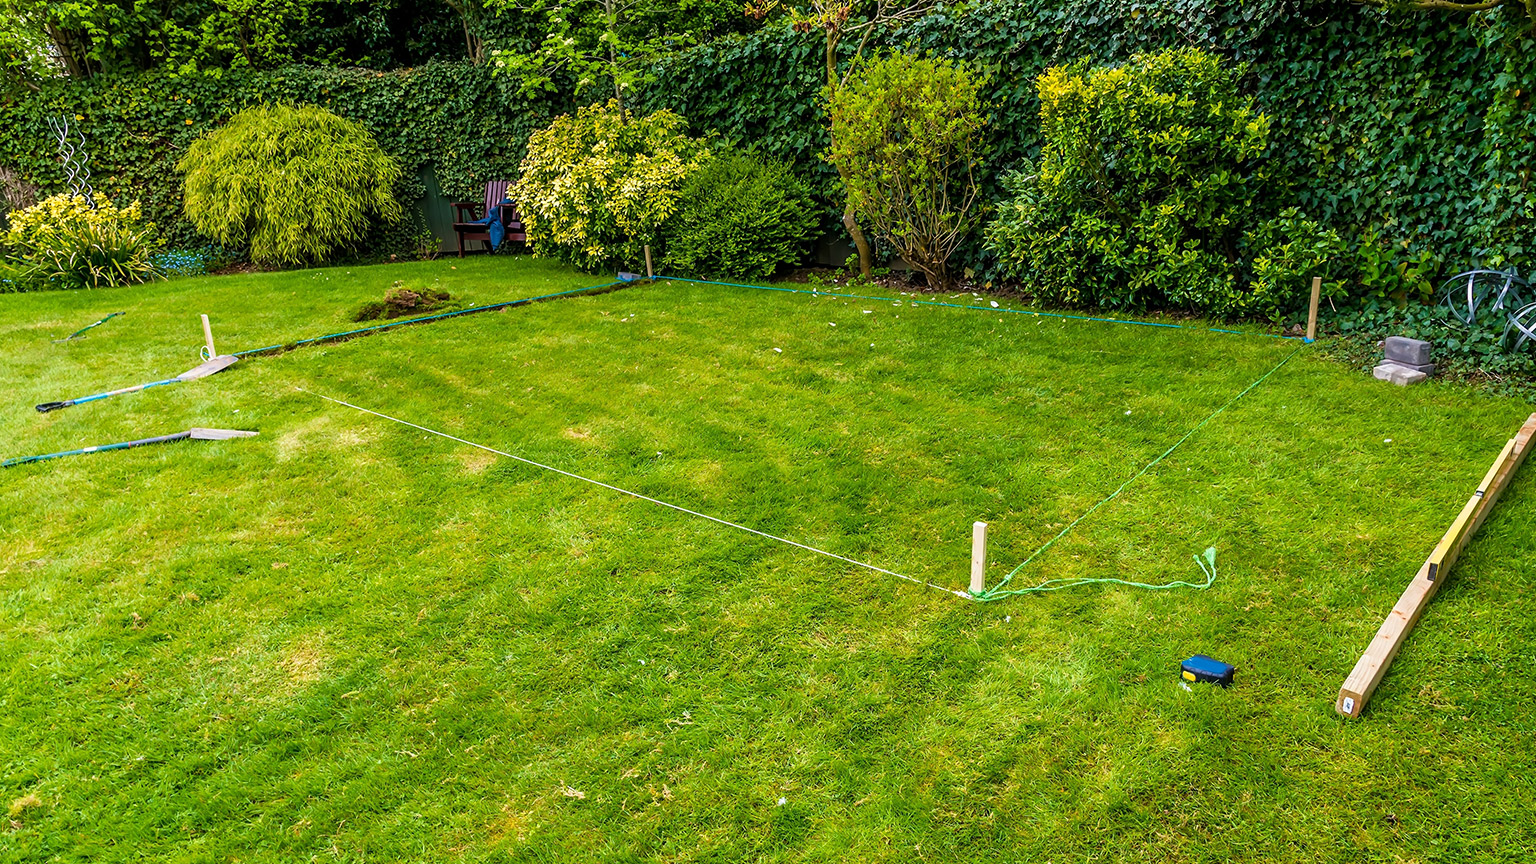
x=452 y=116
x=1417 y=123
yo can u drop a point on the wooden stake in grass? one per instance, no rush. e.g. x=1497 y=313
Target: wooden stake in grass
x=978 y=557
x=1372 y=666
x=208 y=335
x=649 y=273
x=1317 y=293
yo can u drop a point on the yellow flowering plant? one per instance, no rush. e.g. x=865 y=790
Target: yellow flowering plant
x=64 y=242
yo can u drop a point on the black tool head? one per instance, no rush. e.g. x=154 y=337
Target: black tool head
x=52 y=406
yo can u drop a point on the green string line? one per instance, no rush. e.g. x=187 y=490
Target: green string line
x=89 y=326
x=1207 y=566
x=1001 y=589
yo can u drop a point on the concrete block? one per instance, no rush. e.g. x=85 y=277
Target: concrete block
x=1402 y=376
x=1427 y=368
x=1408 y=352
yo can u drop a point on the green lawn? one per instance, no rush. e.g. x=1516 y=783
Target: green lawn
x=348 y=640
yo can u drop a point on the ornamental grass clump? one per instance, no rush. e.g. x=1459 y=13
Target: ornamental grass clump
x=292 y=182
x=65 y=242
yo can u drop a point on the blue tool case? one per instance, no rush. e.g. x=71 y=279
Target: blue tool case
x=1203 y=668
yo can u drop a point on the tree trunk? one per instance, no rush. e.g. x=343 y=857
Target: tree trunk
x=866 y=258
x=613 y=60
x=850 y=222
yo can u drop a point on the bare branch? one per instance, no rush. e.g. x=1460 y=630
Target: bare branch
x=1439 y=5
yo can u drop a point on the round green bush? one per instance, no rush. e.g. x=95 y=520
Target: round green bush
x=293 y=182
x=1150 y=172
x=741 y=218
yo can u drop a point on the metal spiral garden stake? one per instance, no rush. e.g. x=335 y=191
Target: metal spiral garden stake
x=1470 y=295
x=77 y=173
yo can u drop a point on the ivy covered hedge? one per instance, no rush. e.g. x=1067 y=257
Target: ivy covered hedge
x=453 y=116
x=1415 y=127
x=1418 y=125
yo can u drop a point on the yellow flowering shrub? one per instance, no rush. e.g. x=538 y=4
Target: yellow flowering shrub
x=599 y=185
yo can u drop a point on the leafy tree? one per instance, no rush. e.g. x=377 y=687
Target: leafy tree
x=84 y=39
x=601 y=43
x=597 y=186
x=907 y=141
x=838 y=21
x=293 y=182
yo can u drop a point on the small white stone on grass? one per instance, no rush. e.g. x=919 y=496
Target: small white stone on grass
x=994 y=304
x=778 y=350
x=830 y=324
x=1386 y=440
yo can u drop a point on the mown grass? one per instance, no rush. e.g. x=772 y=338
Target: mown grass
x=347 y=640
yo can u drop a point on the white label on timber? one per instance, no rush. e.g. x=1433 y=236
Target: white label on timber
x=1349 y=704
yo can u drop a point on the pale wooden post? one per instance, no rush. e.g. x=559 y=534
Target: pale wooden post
x=1317 y=293
x=649 y=273
x=208 y=335
x=978 y=557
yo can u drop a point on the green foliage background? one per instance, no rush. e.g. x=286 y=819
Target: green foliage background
x=1416 y=124
x=452 y=116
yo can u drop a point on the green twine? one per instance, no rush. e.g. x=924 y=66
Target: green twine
x=1001 y=589
x=89 y=326
x=1207 y=566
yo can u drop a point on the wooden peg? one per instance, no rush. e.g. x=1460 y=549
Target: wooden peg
x=978 y=557
x=208 y=335
x=1317 y=293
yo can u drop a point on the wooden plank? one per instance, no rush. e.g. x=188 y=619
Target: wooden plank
x=208 y=367
x=1372 y=666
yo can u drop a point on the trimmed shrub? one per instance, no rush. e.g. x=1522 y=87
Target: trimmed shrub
x=1287 y=252
x=1153 y=167
x=742 y=218
x=907 y=141
x=64 y=242
x=598 y=185
x=293 y=182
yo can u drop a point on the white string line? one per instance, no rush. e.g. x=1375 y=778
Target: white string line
x=960 y=594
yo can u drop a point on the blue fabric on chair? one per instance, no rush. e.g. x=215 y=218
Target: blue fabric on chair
x=493 y=226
